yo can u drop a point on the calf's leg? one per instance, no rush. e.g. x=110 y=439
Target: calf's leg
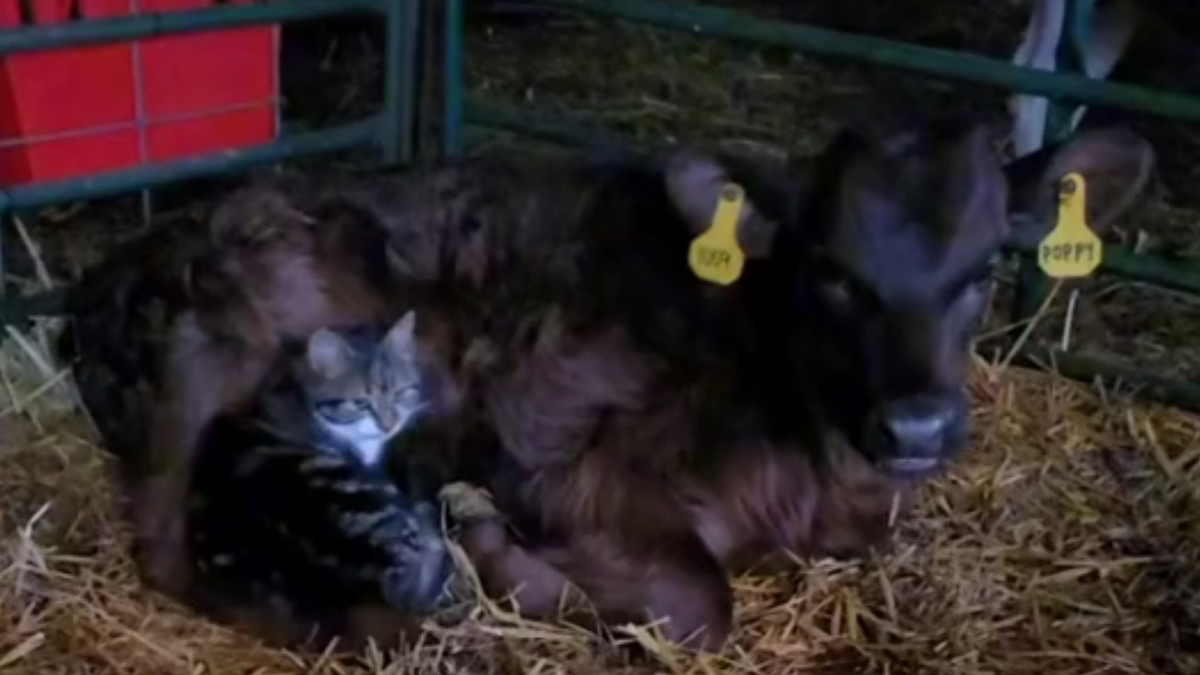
x=674 y=583
x=767 y=505
x=201 y=380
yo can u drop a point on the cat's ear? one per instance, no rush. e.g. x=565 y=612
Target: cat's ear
x=328 y=354
x=401 y=336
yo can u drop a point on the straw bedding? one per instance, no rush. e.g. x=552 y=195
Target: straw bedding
x=1067 y=541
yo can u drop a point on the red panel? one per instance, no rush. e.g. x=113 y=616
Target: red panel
x=235 y=68
x=62 y=94
x=84 y=100
x=49 y=12
x=65 y=90
x=215 y=133
x=69 y=157
x=10 y=13
x=163 y=6
x=101 y=9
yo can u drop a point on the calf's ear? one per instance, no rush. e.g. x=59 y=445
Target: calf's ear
x=694 y=181
x=1115 y=164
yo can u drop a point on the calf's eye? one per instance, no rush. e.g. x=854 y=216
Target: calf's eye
x=837 y=293
x=342 y=411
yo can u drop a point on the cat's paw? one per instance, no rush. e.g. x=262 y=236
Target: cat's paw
x=467 y=503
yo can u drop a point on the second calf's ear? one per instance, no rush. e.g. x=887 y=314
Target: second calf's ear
x=1115 y=163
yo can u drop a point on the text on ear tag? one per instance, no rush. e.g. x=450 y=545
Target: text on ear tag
x=1071 y=249
x=716 y=255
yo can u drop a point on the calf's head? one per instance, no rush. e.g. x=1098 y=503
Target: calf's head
x=901 y=237
x=881 y=260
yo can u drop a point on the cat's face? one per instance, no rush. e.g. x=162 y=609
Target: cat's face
x=360 y=391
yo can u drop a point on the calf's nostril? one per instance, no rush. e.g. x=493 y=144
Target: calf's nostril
x=917 y=436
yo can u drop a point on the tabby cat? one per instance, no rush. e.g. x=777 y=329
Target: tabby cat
x=362 y=393
x=292 y=517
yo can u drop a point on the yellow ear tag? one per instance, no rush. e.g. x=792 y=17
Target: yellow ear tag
x=1071 y=249
x=716 y=255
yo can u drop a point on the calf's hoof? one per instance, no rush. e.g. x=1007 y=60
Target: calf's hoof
x=467 y=503
x=162 y=562
x=695 y=613
x=709 y=639
x=159 y=547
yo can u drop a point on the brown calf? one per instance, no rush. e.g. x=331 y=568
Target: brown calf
x=644 y=463
x=655 y=429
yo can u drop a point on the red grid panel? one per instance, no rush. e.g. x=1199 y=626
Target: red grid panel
x=75 y=112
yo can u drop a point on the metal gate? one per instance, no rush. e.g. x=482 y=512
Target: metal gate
x=394 y=131
x=1060 y=87
x=390 y=131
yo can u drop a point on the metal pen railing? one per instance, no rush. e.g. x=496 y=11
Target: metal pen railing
x=717 y=22
x=390 y=132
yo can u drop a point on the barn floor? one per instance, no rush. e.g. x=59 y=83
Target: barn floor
x=1068 y=541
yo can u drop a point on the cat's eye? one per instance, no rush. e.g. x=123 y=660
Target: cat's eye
x=837 y=293
x=343 y=411
x=843 y=293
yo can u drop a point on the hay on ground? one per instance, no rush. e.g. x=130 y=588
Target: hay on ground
x=1068 y=541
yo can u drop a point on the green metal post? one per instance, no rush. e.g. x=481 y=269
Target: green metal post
x=431 y=98
x=453 y=80
x=1033 y=285
x=396 y=139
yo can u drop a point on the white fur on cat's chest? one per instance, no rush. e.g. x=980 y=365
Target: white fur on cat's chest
x=363 y=437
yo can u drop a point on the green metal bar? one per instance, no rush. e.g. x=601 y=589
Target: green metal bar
x=396 y=141
x=1177 y=393
x=553 y=128
x=94 y=31
x=391 y=130
x=941 y=63
x=19 y=308
x=453 y=80
x=1152 y=269
x=429 y=114
x=1118 y=260
x=333 y=139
